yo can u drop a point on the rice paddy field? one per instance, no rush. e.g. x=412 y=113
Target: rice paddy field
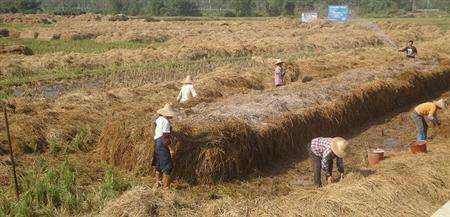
x=82 y=91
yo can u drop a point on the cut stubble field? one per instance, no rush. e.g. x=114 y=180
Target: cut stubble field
x=86 y=101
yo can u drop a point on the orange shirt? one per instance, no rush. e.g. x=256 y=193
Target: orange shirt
x=426 y=109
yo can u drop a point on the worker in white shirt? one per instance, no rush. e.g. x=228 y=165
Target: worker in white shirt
x=162 y=153
x=186 y=90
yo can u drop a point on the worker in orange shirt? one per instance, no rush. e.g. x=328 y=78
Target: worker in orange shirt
x=427 y=111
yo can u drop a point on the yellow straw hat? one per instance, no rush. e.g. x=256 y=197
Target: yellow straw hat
x=340 y=147
x=187 y=80
x=167 y=111
x=442 y=103
x=279 y=62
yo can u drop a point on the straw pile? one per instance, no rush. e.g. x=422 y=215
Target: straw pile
x=28 y=18
x=231 y=138
x=15 y=49
x=404 y=185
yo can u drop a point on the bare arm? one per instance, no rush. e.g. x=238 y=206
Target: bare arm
x=179 y=96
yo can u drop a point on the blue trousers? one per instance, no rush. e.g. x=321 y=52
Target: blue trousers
x=162 y=161
x=421 y=125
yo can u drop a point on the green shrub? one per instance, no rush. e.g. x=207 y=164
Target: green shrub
x=229 y=13
x=48 y=189
x=111 y=186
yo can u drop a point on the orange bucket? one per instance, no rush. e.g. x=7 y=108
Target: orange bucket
x=375 y=156
x=418 y=147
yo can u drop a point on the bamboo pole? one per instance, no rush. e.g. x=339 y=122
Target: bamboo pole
x=16 y=184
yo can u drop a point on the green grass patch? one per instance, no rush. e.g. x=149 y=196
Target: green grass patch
x=46 y=189
x=50 y=189
x=76 y=46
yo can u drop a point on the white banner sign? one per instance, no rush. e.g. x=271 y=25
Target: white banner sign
x=309 y=17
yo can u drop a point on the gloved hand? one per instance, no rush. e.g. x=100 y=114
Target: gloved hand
x=434 y=120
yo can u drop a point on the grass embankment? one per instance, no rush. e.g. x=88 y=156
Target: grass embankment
x=72 y=46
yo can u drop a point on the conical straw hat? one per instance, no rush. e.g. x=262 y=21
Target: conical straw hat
x=442 y=103
x=187 y=80
x=278 y=62
x=167 y=111
x=340 y=147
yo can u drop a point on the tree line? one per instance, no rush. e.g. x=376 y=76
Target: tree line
x=214 y=7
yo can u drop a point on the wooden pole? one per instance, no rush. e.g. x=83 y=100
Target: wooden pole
x=16 y=184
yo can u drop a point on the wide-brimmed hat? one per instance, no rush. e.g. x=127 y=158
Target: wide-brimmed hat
x=278 y=61
x=340 y=147
x=187 y=80
x=167 y=111
x=442 y=103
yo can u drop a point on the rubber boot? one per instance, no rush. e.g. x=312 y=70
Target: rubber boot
x=159 y=180
x=166 y=182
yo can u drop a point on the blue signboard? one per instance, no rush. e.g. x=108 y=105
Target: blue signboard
x=337 y=13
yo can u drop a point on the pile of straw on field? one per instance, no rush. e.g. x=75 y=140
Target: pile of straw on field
x=28 y=18
x=405 y=185
x=16 y=49
x=232 y=137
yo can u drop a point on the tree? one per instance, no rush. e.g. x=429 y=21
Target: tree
x=22 y=6
x=118 y=6
x=289 y=8
x=181 y=8
x=155 y=6
x=243 y=7
x=274 y=7
x=134 y=7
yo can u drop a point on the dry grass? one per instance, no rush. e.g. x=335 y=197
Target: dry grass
x=197 y=40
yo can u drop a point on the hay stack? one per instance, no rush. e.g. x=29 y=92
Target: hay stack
x=4 y=33
x=220 y=148
x=390 y=189
x=15 y=49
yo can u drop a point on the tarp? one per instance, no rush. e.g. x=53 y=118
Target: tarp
x=338 y=13
x=309 y=17
x=443 y=212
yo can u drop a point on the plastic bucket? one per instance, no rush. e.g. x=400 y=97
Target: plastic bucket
x=418 y=147
x=375 y=156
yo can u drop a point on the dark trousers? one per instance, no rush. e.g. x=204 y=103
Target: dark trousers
x=317 y=166
x=421 y=125
x=162 y=161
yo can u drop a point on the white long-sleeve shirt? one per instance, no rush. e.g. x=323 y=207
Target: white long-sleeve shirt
x=186 y=91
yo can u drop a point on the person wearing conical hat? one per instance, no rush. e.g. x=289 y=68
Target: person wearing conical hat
x=162 y=153
x=323 y=151
x=187 y=90
x=427 y=111
x=279 y=73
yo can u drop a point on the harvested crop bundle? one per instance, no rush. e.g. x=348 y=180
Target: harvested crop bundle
x=15 y=49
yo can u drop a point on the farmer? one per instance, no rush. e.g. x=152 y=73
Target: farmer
x=427 y=110
x=279 y=73
x=186 y=90
x=323 y=152
x=410 y=50
x=162 y=154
